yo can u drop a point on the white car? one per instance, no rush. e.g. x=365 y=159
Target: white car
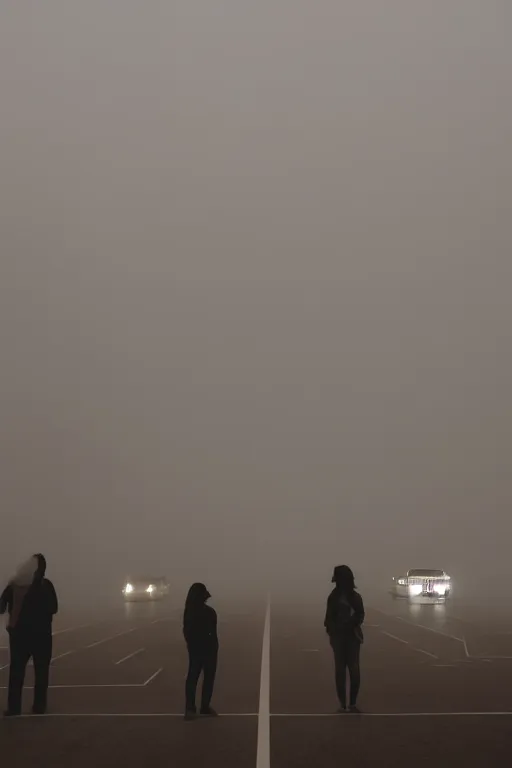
x=426 y=583
x=151 y=588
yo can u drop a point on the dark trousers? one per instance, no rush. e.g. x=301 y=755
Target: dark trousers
x=23 y=647
x=201 y=660
x=347 y=650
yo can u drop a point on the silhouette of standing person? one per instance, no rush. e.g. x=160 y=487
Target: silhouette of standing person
x=200 y=631
x=343 y=621
x=31 y=602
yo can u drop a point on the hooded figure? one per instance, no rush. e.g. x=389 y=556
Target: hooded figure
x=200 y=632
x=344 y=618
x=31 y=603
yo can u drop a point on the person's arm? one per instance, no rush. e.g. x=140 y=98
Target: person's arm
x=53 y=603
x=195 y=626
x=214 y=634
x=187 y=627
x=359 y=615
x=330 y=614
x=5 y=599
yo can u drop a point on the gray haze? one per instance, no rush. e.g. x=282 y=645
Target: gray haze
x=255 y=288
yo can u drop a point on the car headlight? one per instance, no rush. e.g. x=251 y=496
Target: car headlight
x=150 y=589
x=401 y=582
x=441 y=589
x=415 y=589
x=128 y=588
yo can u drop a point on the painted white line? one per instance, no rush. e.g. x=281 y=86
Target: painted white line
x=402 y=714
x=282 y=715
x=87 y=685
x=428 y=629
x=135 y=714
x=427 y=653
x=112 y=637
x=130 y=656
x=164 y=618
x=150 y=679
x=263 y=743
x=394 y=637
x=54 y=658
x=61 y=655
x=73 y=629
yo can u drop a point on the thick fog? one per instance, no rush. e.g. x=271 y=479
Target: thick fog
x=255 y=295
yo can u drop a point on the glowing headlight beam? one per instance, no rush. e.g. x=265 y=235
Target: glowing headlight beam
x=128 y=588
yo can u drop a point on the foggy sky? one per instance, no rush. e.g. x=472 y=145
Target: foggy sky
x=255 y=286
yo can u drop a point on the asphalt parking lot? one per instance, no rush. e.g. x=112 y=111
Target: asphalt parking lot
x=437 y=689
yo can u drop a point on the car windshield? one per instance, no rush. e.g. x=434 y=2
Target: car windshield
x=423 y=573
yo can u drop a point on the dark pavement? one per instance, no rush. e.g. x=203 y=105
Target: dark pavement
x=437 y=690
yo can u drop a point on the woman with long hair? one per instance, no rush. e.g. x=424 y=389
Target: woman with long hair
x=200 y=632
x=343 y=622
x=31 y=602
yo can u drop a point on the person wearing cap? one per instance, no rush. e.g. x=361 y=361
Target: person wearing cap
x=200 y=632
x=343 y=622
x=31 y=602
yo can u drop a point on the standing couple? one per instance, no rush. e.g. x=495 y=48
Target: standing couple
x=343 y=622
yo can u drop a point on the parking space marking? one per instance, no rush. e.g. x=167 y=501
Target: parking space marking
x=61 y=655
x=74 y=629
x=394 y=637
x=428 y=629
x=507 y=713
x=134 y=714
x=86 y=685
x=111 y=637
x=263 y=742
x=427 y=653
x=283 y=715
x=153 y=676
x=130 y=656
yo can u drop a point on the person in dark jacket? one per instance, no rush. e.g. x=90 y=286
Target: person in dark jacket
x=343 y=622
x=31 y=603
x=200 y=631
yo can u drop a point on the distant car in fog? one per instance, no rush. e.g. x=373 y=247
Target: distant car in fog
x=430 y=584
x=151 y=588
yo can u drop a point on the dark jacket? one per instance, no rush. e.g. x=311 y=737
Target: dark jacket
x=353 y=626
x=200 y=627
x=38 y=608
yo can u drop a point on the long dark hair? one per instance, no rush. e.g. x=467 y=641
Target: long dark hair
x=344 y=579
x=196 y=598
